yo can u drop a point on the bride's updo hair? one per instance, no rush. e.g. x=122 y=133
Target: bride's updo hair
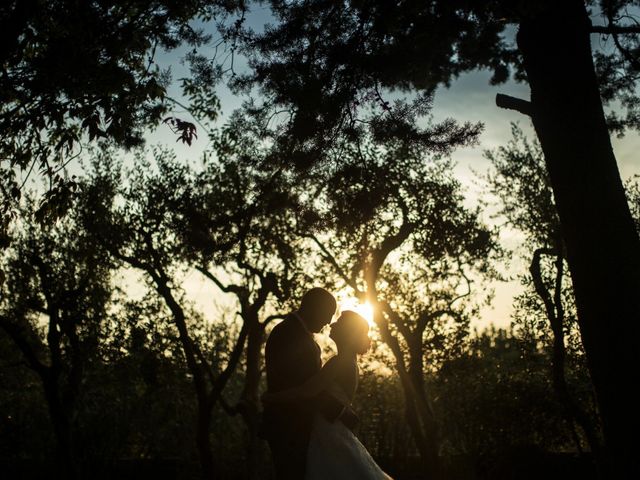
x=352 y=329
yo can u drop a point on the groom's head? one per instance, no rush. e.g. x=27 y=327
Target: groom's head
x=317 y=308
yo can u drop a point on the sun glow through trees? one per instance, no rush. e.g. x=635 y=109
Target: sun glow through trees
x=363 y=308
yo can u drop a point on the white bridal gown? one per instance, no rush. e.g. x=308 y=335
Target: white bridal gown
x=335 y=453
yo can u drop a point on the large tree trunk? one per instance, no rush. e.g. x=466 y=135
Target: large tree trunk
x=424 y=436
x=423 y=406
x=555 y=314
x=205 y=400
x=61 y=427
x=422 y=418
x=250 y=394
x=603 y=249
x=203 y=440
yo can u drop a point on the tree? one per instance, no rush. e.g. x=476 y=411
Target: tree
x=226 y=222
x=74 y=72
x=137 y=222
x=522 y=184
x=57 y=276
x=26 y=424
x=239 y=231
x=137 y=400
x=593 y=211
x=327 y=64
x=499 y=371
x=397 y=235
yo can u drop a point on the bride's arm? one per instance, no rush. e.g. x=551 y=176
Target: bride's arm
x=312 y=387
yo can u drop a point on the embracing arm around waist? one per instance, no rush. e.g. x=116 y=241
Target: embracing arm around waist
x=318 y=383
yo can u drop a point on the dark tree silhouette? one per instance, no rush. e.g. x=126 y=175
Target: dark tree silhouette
x=60 y=275
x=137 y=220
x=598 y=231
x=73 y=72
x=394 y=231
x=327 y=64
x=522 y=183
x=239 y=231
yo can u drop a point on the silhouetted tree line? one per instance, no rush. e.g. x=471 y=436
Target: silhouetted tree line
x=332 y=172
x=96 y=377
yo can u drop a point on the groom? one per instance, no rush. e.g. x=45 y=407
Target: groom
x=292 y=356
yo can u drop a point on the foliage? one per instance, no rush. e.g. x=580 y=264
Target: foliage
x=396 y=231
x=545 y=312
x=24 y=422
x=52 y=307
x=76 y=72
x=60 y=274
x=617 y=63
x=497 y=395
x=633 y=195
x=521 y=182
x=332 y=71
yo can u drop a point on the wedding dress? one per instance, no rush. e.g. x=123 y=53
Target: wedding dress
x=335 y=453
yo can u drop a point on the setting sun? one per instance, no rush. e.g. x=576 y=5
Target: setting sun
x=365 y=309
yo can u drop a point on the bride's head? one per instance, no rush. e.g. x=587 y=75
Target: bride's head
x=351 y=332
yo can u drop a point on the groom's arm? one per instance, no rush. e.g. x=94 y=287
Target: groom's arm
x=349 y=418
x=333 y=408
x=316 y=384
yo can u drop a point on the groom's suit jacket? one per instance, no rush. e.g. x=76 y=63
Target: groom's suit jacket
x=292 y=356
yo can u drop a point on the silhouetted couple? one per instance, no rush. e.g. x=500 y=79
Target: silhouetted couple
x=308 y=419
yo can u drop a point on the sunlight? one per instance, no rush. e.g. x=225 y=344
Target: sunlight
x=363 y=308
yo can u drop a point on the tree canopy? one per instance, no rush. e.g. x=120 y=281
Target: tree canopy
x=73 y=72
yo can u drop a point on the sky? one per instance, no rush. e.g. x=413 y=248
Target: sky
x=469 y=98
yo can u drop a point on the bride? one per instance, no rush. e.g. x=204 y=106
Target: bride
x=334 y=452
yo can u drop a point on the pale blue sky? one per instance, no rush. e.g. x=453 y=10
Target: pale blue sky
x=470 y=98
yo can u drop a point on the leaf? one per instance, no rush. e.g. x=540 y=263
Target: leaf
x=186 y=130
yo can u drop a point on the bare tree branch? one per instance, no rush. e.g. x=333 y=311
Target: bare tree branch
x=538 y=282
x=234 y=358
x=512 y=103
x=18 y=337
x=615 y=29
x=350 y=281
x=225 y=288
